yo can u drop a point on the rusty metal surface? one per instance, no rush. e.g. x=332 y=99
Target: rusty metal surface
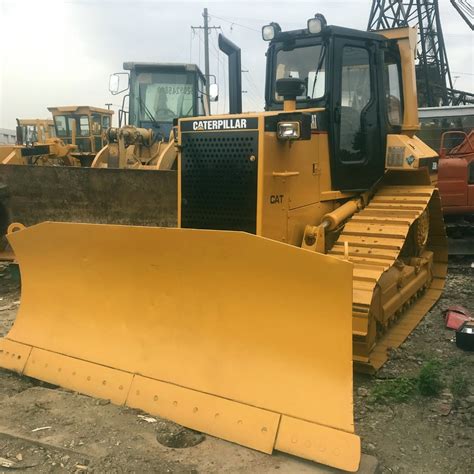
x=98 y=196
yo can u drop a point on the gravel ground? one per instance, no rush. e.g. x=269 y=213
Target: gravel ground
x=406 y=430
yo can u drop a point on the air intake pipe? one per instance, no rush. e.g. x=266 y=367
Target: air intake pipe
x=235 y=73
x=19 y=133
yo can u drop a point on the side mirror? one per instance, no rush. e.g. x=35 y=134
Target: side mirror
x=213 y=92
x=118 y=82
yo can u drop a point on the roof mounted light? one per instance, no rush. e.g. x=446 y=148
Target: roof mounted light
x=316 y=24
x=270 y=31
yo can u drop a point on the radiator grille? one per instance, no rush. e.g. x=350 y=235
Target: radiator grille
x=219 y=180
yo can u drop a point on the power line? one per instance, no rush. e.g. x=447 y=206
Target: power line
x=253 y=94
x=216 y=55
x=235 y=23
x=252 y=82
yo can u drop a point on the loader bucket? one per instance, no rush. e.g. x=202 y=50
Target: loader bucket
x=97 y=196
x=235 y=335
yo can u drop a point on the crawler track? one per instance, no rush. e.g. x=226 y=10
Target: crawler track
x=393 y=285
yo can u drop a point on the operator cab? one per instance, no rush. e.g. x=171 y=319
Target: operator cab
x=83 y=126
x=162 y=92
x=30 y=132
x=356 y=77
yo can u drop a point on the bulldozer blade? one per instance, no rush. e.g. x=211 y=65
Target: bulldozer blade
x=224 y=332
x=34 y=194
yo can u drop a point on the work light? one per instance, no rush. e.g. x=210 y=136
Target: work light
x=288 y=130
x=316 y=24
x=270 y=31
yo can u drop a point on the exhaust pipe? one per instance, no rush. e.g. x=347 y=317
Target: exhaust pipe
x=235 y=73
x=19 y=133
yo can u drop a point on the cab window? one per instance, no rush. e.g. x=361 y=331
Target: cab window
x=84 y=130
x=162 y=96
x=201 y=106
x=96 y=124
x=61 y=127
x=355 y=97
x=306 y=63
x=393 y=96
x=105 y=122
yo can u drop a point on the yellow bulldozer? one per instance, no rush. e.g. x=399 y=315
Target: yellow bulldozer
x=310 y=239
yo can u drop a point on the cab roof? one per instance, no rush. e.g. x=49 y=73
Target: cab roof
x=85 y=109
x=130 y=65
x=329 y=30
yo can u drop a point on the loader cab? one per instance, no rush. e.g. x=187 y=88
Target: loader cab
x=160 y=93
x=356 y=77
x=83 y=126
x=30 y=132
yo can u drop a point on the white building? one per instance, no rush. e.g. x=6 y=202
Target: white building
x=7 y=137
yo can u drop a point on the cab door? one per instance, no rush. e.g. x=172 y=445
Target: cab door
x=358 y=134
x=96 y=122
x=452 y=181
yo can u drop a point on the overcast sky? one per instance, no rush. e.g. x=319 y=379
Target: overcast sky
x=61 y=52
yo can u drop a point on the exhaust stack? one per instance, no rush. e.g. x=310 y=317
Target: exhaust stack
x=235 y=73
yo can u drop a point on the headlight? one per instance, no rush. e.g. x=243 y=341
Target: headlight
x=270 y=31
x=288 y=130
x=316 y=24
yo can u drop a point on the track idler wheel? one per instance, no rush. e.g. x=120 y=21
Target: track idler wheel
x=421 y=229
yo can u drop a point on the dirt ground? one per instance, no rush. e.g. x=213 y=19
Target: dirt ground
x=47 y=429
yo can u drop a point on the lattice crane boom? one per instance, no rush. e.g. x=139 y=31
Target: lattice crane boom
x=465 y=9
x=434 y=83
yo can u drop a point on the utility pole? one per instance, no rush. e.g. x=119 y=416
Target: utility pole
x=206 y=29
x=108 y=105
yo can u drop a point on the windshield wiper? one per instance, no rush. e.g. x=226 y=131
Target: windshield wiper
x=322 y=55
x=147 y=111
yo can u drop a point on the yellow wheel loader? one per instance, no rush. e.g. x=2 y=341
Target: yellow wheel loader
x=72 y=138
x=83 y=127
x=159 y=93
x=43 y=188
x=94 y=188
x=145 y=141
x=31 y=131
x=309 y=236
x=36 y=144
